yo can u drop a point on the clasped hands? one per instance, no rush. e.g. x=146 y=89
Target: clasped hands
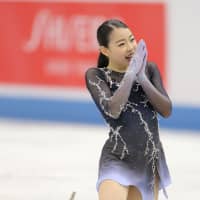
x=139 y=61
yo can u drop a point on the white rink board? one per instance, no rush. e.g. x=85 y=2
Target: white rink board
x=43 y=161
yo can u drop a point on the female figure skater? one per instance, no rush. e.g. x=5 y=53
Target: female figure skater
x=129 y=92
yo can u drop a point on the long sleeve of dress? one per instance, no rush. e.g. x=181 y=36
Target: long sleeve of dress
x=110 y=103
x=155 y=91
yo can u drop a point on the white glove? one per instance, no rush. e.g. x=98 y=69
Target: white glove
x=137 y=61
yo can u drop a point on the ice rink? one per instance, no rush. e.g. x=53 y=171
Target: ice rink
x=49 y=161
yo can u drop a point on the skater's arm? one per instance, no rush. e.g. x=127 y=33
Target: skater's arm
x=155 y=90
x=110 y=103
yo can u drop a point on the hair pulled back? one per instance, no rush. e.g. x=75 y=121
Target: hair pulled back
x=103 y=33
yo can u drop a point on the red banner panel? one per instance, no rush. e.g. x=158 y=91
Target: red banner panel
x=54 y=43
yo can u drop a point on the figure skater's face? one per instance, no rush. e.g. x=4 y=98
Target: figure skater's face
x=121 y=48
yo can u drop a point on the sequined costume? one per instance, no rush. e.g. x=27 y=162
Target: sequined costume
x=133 y=153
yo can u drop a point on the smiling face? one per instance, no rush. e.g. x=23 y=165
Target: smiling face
x=121 y=48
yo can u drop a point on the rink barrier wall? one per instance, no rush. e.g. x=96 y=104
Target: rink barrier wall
x=85 y=112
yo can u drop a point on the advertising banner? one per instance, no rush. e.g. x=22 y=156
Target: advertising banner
x=53 y=44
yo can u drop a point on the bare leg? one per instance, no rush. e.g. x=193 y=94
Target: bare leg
x=134 y=194
x=110 y=189
x=156 y=187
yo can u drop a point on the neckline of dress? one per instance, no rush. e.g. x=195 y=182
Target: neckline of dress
x=113 y=71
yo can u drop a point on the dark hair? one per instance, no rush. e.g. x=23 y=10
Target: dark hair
x=103 y=33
